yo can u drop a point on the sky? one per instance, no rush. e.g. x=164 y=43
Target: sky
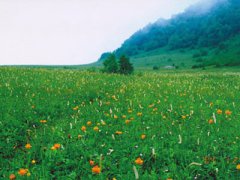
x=72 y=32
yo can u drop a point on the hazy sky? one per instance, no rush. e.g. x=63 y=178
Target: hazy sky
x=73 y=31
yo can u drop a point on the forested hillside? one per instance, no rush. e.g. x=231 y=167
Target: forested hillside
x=204 y=30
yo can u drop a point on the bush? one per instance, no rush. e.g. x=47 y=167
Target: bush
x=155 y=68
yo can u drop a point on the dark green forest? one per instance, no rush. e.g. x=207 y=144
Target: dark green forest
x=197 y=28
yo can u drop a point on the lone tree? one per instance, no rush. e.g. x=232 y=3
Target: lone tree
x=125 y=67
x=110 y=64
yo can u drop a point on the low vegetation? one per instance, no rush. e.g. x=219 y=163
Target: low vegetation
x=69 y=124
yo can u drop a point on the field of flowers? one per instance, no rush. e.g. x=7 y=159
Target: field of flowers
x=69 y=124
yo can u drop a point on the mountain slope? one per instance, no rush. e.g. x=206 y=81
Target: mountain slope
x=202 y=35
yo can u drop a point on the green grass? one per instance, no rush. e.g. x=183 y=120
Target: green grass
x=172 y=108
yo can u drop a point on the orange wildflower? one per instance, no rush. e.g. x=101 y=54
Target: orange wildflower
x=151 y=105
x=96 y=129
x=57 y=146
x=89 y=123
x=115 y=116
x=75 y=108
x=184 y=117
x=127 y=121
x=96 y=169
x=83 y=128
x=238 y=167
x=118 y=132
x=210 y=121
x=28 y=146
x=79 y=136
x=91 y=162
x=103 y=122
x=43 y=121
x=139 y=161
x=227 y=112
x=155 y=109
x=219 y=111
x=12 y=177
x=22 y=172
x=143 y=136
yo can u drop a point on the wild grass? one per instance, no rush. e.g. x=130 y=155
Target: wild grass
x=70 y=124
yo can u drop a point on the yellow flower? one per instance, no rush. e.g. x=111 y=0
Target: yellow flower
x=53 y=148
x=129 y=111
x=124 y=116
x=43 y=121
x=139 y=114
x=219 y=111
x=28 y=146
x=139 y=161
x=79 y=136
x=118 y=132
x=96 y=129
x=22 y=172
x=33 y=161
x=96 y=169
x=227 y=112
x=89 y=123
x=83 y=128
x=115 y=116
x=238 y=167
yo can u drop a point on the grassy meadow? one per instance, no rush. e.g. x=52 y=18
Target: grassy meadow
x=72 y=124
